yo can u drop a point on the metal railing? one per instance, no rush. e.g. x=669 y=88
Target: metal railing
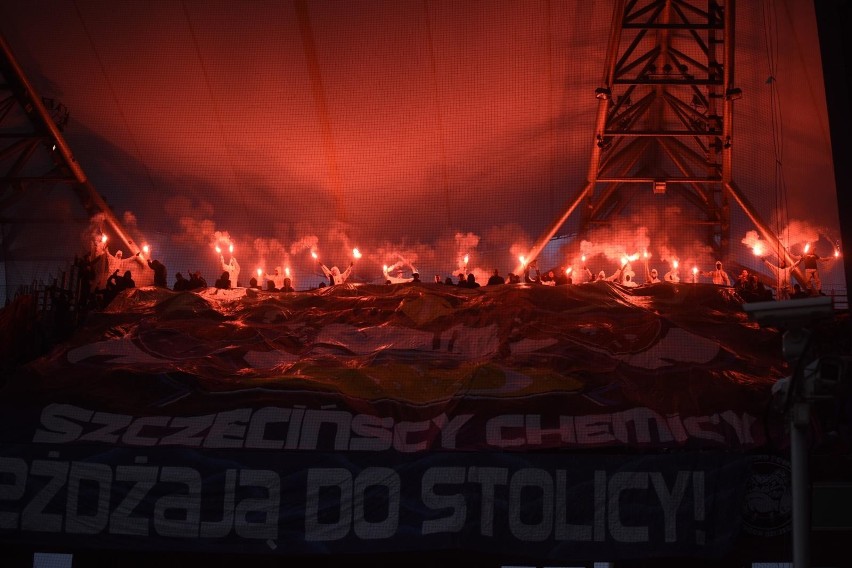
x=839 y=297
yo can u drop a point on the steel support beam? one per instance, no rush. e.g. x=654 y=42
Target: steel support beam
x=44 y=126
x=683 y=104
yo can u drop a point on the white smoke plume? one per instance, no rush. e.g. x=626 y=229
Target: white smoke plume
x=221 y=239
x=659 y=233
x=271 y=253
x=92 y=236
x=304 y=244
x=194 y=231
x=798 y=233
x=757 y=245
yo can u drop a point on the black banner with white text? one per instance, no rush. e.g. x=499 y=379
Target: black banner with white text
x=552 y=505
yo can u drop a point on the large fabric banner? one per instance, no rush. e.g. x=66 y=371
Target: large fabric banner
x=585 y=421
x=548 y=505
x=411 y=368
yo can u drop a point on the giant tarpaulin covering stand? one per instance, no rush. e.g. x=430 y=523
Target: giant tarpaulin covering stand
x=571 y=422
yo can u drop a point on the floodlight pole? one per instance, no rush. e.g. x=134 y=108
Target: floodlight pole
x=803 y=388
x=800 y=416
x=795 y=341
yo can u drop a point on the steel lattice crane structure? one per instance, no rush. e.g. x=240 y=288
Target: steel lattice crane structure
x=34 y=156
x=664 y=119
x=664 y=124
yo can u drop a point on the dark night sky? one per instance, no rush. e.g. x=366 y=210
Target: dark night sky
x=421 y=129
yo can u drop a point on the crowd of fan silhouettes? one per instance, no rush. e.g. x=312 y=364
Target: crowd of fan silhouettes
x=747 y=285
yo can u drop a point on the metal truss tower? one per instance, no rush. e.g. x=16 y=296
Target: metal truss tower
x=34 y=157
x=664 y=119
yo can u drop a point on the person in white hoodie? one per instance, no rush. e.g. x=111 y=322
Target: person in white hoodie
x=399 y=278
x=783 y=275
x=334 y=275
x=719 y=276
x=232 y=268
x=278 y=276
